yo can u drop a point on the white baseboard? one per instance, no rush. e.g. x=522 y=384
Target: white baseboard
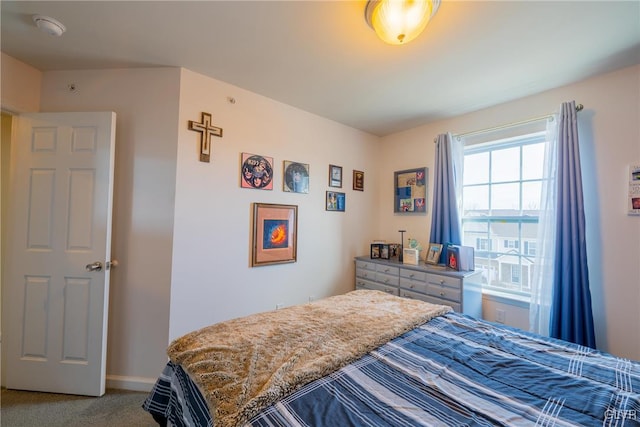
x=130 y=383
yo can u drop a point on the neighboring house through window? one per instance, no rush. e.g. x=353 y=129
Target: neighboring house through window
x=501 y=199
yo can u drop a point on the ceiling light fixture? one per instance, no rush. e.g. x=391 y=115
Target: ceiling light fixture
x=49 y=25
x=399 y=21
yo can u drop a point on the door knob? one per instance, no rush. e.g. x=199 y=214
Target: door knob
x=96 y=266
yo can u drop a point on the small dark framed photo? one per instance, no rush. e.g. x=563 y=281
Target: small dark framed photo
x=375 y=250
x=394 y=250
x=335 y=201
x=385 y=252
x=358 y=180
x=335 y=176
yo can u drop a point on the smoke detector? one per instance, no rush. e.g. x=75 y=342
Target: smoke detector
x=49 y=25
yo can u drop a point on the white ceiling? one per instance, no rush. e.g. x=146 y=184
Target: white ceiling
x=322 y=57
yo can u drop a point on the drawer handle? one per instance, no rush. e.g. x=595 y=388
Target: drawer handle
x=386 y=270
x=442 y=282
x=389 y=291
x=411 y=275
x=386 y=280
x=412 y=286
x=441 y=294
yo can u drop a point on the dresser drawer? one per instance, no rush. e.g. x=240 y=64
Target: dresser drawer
x=437 y=279
x=427 y=298
x=365 y=265
x=365 y=274
x=413 y=295
x=419 y=276
x=387 y=269
x=366 y=284
x=444 y=292
x=414 y=285
x=387 y=279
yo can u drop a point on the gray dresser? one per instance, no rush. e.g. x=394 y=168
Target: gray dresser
x=462 y=290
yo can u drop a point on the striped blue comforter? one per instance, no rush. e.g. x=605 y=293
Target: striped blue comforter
x=456 y=371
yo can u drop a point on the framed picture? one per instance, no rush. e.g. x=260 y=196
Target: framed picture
x=335 y=176
x=410 y=256
x=275 y=234
x=394 y=250
x=410 y=191
x=375 y=251
x=296 y=177
x=335 y=201
x=358 y=180
x=453 y=257
x=384 y=251
x=433 y=254
x=256 y=172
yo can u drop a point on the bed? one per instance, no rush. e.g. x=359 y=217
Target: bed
x=367 y=358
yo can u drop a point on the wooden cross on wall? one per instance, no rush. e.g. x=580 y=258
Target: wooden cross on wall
x=206 y=130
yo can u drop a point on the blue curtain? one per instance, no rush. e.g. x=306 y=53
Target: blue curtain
x=571 y=315
x=445 y=217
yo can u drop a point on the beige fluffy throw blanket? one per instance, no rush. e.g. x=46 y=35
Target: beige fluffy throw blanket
x=244 y=365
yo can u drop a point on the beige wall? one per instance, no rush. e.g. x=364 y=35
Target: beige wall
x=20 y=85
x=211 y=277
x=609 y=129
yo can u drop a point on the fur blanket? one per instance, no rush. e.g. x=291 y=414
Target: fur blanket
x=244 y=365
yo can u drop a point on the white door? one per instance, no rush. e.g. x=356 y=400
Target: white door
x=60 y=204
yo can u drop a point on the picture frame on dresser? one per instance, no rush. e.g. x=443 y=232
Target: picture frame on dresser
x=433 y=254
x=375 y=251
x=394 y=250
x=384 y=251
x=410 y=256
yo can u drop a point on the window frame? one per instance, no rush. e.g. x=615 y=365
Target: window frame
x=506 y=247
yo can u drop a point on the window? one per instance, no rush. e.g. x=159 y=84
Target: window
x=511 y=244
x=501 y=197
x=483 y=244
x=530 y=248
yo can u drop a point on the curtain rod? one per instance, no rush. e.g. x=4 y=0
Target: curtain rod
x=579 y=107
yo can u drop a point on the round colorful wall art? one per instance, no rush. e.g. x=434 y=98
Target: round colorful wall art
x=257 y=172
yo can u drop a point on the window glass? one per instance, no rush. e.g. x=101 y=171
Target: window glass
x=476 y=168
x=531 y=193
x=533 y=159
x=505 y=197
x=501 y=201
x=476 y=200
x=508 y=161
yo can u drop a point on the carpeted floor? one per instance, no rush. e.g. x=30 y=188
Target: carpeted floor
x=116 y=408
